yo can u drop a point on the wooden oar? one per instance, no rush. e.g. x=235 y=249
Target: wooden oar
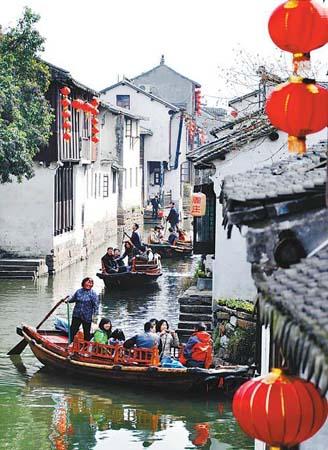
x=17 y=350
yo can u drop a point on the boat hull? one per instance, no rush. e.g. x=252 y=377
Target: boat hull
x=57 y=358
x=171 y=251
x=128 y=280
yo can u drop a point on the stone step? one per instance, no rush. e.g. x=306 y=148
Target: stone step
x=195 y=317
x=191 y=325
x=195 y=300
x=21 y=261
x=13 y=268
x=203 y=309
x=23 y=274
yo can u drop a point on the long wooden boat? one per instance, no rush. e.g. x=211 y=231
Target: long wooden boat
x=143 y=273
x=180 y=250
x=131 y=367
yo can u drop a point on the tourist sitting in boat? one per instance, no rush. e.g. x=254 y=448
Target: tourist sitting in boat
x=172 y=239
x=117 y=337
x=129 y=252
x=199 y=348
x=86 y=307
x=168 y=339
x=121 y=266
x=153 y=322
x=108 y=262
x=154 y=237
x=148 y=339
x=103 y=333
x=161 y=232
x=182 y=235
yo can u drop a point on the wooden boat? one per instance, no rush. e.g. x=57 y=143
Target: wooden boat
x=142 y=273
x=180 y=250
x=134 y=367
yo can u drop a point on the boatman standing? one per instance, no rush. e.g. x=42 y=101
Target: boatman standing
x=173 y=216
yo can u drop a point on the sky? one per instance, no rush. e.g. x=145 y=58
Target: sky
x=100 y=41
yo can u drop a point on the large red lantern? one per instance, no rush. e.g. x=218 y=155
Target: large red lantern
x=299 y=26
x=278 y=409
x=298 y=108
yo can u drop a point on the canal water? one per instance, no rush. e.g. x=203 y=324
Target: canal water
x=40 y=410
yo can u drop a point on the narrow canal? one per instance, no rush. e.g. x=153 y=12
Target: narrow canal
x=39 y=410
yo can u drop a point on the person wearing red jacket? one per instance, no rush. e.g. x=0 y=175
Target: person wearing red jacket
x=198 y=351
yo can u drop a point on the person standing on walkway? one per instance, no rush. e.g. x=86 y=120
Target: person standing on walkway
x=173 y=216
x=86 y=307
x=155 y=204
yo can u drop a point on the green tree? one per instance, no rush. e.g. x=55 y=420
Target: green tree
x=25 y=114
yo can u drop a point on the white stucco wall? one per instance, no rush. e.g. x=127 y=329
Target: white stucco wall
x=26 y=214
x=157 y=147
x=131 y=163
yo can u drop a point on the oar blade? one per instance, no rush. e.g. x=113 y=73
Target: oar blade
x=17 y=350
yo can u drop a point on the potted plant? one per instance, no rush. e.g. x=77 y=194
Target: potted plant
x=204 y=278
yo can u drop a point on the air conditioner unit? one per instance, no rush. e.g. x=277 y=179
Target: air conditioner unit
x=85 y=151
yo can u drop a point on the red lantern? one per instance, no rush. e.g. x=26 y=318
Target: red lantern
x=299 y=26
x=67 y=136
x=67 y=124
x=78 y=103
x=66 y=114
x=298 y=108
x=95 y=130
x=94 y=111
x=65 y=90
x=198 y=204
x=234 y=113
x=95 y=121
x=278 y=409
x=95 y=139
x=65 y=102
x=87 y=107
x=95 y=101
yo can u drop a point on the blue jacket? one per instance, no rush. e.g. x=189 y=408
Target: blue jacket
x=146 y=340
x=86 y=304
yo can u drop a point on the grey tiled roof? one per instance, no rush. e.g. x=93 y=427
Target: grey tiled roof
x=298 y=299
x=251 y=128
x=287 y=177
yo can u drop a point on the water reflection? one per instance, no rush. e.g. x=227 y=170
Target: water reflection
x=87 y=417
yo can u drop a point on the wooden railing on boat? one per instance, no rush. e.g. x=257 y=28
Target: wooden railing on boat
x=116 y=354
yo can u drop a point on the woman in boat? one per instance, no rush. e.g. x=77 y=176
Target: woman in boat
x=86 y=306
x=117 y=337
x=129 y=251
x=103 y=333
x=198 y=351
x=181 y=234
x=168 y=339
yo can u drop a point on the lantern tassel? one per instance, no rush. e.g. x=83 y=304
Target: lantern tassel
x=297 y=144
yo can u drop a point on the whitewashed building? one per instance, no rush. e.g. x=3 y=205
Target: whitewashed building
x=242 y=144
x=163 y=140
x=70 y=207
